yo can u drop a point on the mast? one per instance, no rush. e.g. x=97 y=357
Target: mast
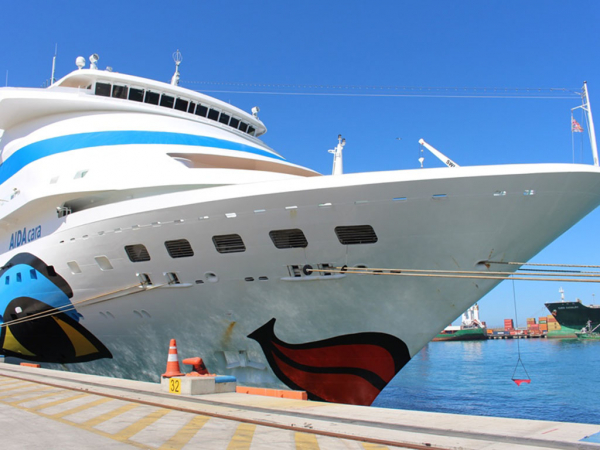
x=52 y=78
x=587 y=107
x=338 y=168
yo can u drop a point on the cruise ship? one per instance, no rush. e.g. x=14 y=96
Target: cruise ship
x=134 y=211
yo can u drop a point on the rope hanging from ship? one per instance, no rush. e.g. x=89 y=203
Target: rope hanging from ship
x=519 y=380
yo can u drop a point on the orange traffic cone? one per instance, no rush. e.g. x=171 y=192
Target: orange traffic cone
x=172 y=362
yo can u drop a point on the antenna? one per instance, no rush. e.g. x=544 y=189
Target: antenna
x=177 y=58
x=52 y=79
x=338 y=168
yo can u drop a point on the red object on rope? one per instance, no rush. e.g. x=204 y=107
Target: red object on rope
x=520 y=381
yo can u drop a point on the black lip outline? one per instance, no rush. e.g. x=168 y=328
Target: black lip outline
x=266 y=338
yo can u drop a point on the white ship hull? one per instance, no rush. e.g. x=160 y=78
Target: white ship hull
x=213 y=319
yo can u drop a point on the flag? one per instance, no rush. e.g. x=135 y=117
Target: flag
x=575 y=127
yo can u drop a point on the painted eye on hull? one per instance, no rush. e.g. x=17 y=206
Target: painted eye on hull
x=45 y=328
x=352 y=368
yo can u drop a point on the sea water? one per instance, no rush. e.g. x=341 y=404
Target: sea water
x=475 y=377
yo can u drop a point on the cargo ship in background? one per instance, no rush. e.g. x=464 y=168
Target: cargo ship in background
x=572 y=317
x=470 y=329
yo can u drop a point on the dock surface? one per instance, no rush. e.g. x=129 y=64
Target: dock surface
x=69 y=410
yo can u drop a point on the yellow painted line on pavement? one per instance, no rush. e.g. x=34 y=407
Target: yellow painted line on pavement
x=14 y=385
x=187 y=432
x=36 y=389
x=109 y=415
x=305 y=441
x=242 y=438
x=31 y=399
x=77 y=409
x=369 y=446
x=54 y=403
x=138 y=426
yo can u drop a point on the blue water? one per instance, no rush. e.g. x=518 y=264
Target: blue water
x=476 y=378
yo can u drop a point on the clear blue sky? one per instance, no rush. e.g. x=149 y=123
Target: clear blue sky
x=494 y=43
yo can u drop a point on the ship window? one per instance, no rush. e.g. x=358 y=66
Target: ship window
x=119 y=91
x=137 y=253
x=293 y=238
x=213 y=114
x=137 y=95
x=151 y=97
x=229 y=243
x=181 y=105
x=19 y=279
x=167 y=101
x=179 y=248
x=224 y=118
x=7 y=279
x=356 y=234
x=201 y=110
x=103 y=89
x=192 y=108
x=33 y=274
x=234 y=122
x=74 y=267
x=103 y=263
x=251 y=131
x=243 y=127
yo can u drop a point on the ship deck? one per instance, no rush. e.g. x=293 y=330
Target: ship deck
x=71 y=410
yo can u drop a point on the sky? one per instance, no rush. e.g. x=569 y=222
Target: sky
x=383 y=70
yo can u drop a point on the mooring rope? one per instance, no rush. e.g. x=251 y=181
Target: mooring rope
x=545 y=276
x=540 y=264
x=71 y=306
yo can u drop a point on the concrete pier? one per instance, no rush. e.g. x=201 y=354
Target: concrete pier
x=53 y=409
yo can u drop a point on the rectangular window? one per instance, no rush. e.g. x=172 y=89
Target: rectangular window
x=152 y=98
x=119 y=91
x=137 y=253
x=179 y=248
x=201 y=110
x=251 y=131
x=181 y=105
x=103 y=89
x=224 y=118
x=293 y=238
x=192 y=108
x=229 y=243
x=213 y=114
x=234 y=122
x=357 y=234
x=167 y=101
x=243 y=127
x=137 y=95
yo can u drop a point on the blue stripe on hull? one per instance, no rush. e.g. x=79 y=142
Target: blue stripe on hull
x=52 y=146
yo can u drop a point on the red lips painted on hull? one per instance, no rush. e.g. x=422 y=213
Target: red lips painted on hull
x=352 y=368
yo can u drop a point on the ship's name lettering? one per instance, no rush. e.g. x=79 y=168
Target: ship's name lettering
x=24 y=236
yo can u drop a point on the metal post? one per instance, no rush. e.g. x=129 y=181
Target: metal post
x=591 y=124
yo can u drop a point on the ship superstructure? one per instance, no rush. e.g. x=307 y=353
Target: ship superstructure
x=134 y=211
